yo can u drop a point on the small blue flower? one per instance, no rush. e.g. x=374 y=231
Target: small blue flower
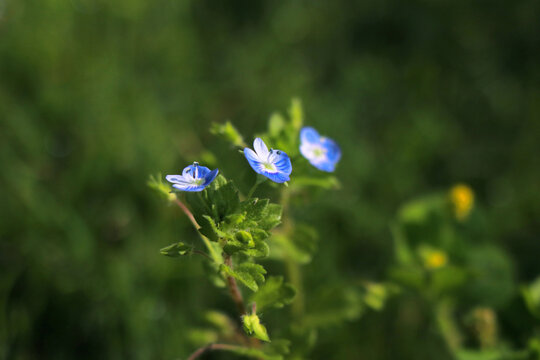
x=273 y=164
x=322 y=152
x=193 y=178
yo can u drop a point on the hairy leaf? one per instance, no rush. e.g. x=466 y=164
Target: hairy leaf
x=249 y=274
x=253 y=327
x=274 y=293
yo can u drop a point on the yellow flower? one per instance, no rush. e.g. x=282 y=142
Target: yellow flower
x=434 y=259
x=462 y=198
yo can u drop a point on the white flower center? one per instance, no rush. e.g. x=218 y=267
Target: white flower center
x=269 y=167
x=318 y=152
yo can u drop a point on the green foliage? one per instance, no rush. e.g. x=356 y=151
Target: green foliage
x=176 y=249
x=229 y=133
x=531 y=295
x=299 y=245
x=274 y=293
x=249 y=274
x=273 y=351
x=334 y=305
x=95 y=95
x=376 y=294
x=164 y=189
x=253 y=327
x=217 y=201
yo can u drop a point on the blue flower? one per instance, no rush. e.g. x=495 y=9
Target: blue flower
x=273 y=164
x=193 y=178
x=322 y=152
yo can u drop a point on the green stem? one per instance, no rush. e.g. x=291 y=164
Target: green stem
x=252 y=190
x=447 y=326
x=260 y=179
x=295 y=276
x=293 y=268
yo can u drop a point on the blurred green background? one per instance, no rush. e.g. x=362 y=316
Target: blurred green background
x=96 y=95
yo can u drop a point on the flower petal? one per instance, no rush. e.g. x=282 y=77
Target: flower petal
x=277 y=177
x=189 y=187
x=210 y=176
x=326 y=165
x=283 y=163
x=252 y=157
x=260 y=148
x=309 y=134
x=333 y=152
x=195 y=171
x=175 y=178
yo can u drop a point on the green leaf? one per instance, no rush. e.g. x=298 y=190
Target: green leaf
x=219 y=200
x=249 y=274
x=164 y=189
x=224 y=195
x=531 y=295
x=274 y=293
x=176 y=249
x=210 y=229
x=417 y=211
x=261 y=250
x=276 y=124
x=250 y=243
x=228 y=132
x=254 y=209
x=296 y=114
x=212 y=272
x=271 y=217
x=221 y=322
x=253 y=327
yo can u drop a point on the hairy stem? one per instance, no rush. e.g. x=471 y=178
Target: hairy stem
x=213 y=254
x=210 y=347
x=188 y=213
x=234 y=290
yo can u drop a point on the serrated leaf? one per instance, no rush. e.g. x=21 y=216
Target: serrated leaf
x=209 y=228
x=253 y=327
x=250 y=244
x=176 y=249
x=274 y=293
x=249 y=274
x=254 y=208
x=224 y=196
x=261 y=250
x=219 y=200
x=271 y=217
